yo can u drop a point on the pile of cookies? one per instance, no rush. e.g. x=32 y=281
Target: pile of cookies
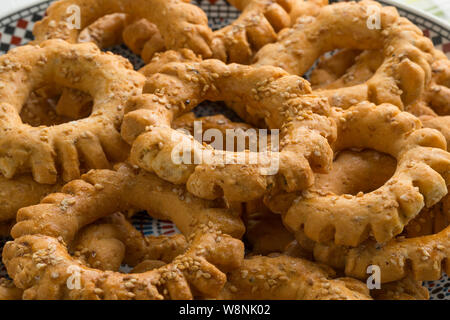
x=338 y=188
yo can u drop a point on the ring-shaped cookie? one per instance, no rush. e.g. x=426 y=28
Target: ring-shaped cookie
x=344 y=70
x=181 y=24
x=404 y=73
x=279 y=101
x=109 y=79
x=43 y=231
x=420 y=179
x=424 y=257
x=256 y=26
x=153 y=26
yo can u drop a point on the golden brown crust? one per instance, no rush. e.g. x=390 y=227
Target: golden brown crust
x=442 y=124
x=297 y=250
x=364 y=67
x=106 y=31
x=147 y=265
x=331 y=74
x=430 y=220
x=190 y=29
x=48 y=274
x=355 y=172
x=95 y=139
x=281 y=102
x=352 y=172
x=137 y=34
x=160 y=60
x=104 y=22
x=265 y=232
x=384 y=203
x=400 y=80
x=421 y=257
x=288 y=278
x=109 y=243
x=102 y=192
x=434 y=101
x=302 y=8
x=405 y=289
x=212 y=177
x=437 y=95
x=256 y=26
x=22 y=191
x=419 y=180
x=74 y=104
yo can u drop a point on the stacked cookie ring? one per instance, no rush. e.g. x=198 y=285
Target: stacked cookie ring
x=329 y=178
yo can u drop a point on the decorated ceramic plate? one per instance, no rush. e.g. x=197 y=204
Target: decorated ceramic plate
x=17 y=19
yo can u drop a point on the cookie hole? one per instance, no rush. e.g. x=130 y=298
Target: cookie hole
x=48 y=106
x=330 y=67
x=113 y=244
x=344 y=68
x=223 y=129
x=357 y=171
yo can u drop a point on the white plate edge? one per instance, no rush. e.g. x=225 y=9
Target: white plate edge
x=443 y=23
x=18 y=6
